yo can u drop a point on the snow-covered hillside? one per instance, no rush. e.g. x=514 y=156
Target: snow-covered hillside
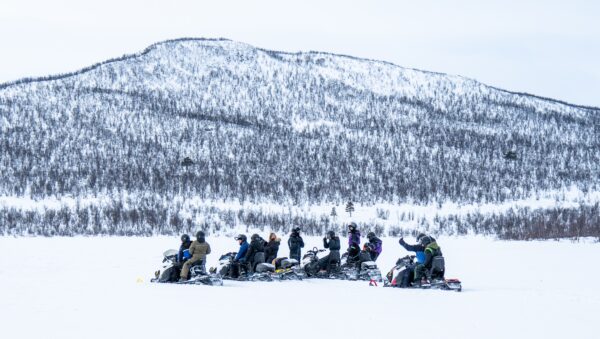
x=94 y=287
x=269 y=127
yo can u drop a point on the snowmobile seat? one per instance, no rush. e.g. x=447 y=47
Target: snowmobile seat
x=368 y=265
x=264 y=267
x=287 y=263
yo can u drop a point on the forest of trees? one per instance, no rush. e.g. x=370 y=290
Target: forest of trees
x=286 y=128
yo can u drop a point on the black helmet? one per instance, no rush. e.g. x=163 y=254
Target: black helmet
x=421 y=235
x=352 y=226
x=254 y=236
x=185 y=238
x=330 y=234
x=241 y=237
x=200 y=234
x=426 y=240
x=370 y=235
x=296 y=230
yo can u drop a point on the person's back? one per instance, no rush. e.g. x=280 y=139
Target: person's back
x=272 y=248
x=198 y=250
x=295 y=243
x=256 y=251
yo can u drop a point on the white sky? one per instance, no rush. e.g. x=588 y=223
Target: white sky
x=549 y=48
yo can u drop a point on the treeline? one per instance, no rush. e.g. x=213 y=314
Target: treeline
x=159 y=217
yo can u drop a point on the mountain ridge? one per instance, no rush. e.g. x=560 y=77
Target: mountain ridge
x=153 y=46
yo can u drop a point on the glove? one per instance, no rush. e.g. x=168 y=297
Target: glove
x=401 y=241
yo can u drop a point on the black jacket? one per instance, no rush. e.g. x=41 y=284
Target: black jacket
x=256 y=245
x=295 y=243
x=271 y=250
x=333 y=244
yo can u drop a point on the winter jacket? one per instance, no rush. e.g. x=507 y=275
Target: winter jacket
x=432 y=250
x=332 y=244
x=256 y=246
x=418 y=249
x=199 y=250
x=184 y=246
x=241 y=254
x=295 y=243
x=354 y=238
x=271 y=249
x=376 y=245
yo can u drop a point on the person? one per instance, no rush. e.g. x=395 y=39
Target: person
x=353 y=235
x=272 y=247
x=374 y=246
x=186 y=242
x=256 y=252
x=332 y=242
x=408 y=274
x=431 y=250
x=295 y=244
x=199 y=249
x=240 y=258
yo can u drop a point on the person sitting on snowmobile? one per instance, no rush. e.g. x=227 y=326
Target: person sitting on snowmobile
x=256 y=252
x=408 y=274
x=271 y=248
x=240 y=258
x=332 y=242
x=295 y=243
x=432 y=250
x=186 y=242
x=353 y=235
x=375 y=246
x=199 y=249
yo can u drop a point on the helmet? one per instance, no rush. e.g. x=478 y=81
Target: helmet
x=330 y=234
x=352 y=226
x=296 y=230
x=426 y=240
x=421 y=235
x=185 y=238
x=241 y=237
x=200 y=234
x=370 y=235
x=254 y=236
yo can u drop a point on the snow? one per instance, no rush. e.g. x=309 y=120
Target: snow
x=98 y=287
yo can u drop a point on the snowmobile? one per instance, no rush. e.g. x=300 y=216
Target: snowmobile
x=287 y=269
x=170 y=269
x=432 y=279
x=310 y=266
x=353 y=269
x=228 y=269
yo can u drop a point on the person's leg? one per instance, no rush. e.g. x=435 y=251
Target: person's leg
x=185 y=270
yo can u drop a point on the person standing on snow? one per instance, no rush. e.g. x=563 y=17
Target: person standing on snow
x=295 y=244
x=374 y=246
x=271 y=248
x=198 y=250
x=353 y=236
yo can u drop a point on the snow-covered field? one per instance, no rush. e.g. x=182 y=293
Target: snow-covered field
x=99 y=288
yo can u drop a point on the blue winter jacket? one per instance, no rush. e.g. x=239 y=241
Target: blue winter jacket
x=242 y=252
x=418 y=249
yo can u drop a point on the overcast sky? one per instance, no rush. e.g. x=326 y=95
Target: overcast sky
x=549 y=48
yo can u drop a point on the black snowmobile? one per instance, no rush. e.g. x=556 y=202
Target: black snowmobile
x=228 y=269
x=170 y=270
x=287 y=269
x=353 y=268
x=310 y=266
x=433 y=278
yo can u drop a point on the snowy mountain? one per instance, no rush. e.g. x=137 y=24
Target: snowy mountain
x=267 y=126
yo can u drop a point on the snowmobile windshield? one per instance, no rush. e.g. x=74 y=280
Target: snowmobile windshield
x=170 y=253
